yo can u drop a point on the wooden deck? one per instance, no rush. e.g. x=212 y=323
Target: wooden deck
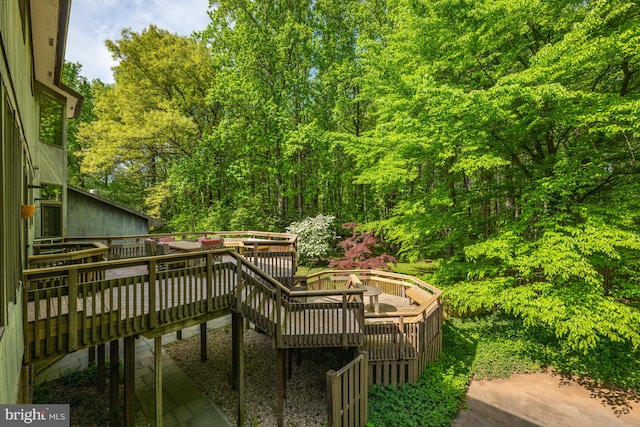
x=77 y=306
x=136 y=297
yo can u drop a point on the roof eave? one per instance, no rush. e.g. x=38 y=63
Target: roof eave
x=49 y=24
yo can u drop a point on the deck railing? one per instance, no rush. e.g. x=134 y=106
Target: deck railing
x=132 y=246
x=81 y=305
x=63 y=253
x=293 y=320
x=398 y=344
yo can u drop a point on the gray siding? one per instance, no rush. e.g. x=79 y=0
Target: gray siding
x=89 y=216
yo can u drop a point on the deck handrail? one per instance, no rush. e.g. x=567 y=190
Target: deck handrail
x=74 y=306
x=91 y=252
x=132 y=246
x=398 y=343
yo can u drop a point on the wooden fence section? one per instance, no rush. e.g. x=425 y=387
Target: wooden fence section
x=347 y=394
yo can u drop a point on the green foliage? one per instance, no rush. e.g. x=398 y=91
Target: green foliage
x=72 y=78
x=505 y=345
x=489 y=347
x=85 y=376
x=505 y=149
x=509 y=152
x=315 y=238
x=555 y=281
x=421 y=269
x=434 y=400
x=154 y=113
x=51 y=116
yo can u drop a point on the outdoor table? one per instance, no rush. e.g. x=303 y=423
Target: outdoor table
x=184 y=246
x=372 y=292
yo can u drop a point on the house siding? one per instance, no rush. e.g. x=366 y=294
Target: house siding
x=89 y=216
x=21 y=158
x=18 y=131
x=11 y=353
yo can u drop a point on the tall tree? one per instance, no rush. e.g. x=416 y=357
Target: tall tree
x=71 y=75
x=155 y=112
x=263 y=53
x=510 y=149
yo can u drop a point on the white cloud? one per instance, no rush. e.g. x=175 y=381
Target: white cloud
x=92 y=22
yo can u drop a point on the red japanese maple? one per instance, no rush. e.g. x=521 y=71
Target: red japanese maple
x=360 y=250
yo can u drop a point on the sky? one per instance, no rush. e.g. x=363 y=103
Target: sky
x=94 y=21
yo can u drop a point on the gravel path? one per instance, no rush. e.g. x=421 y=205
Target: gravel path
x=306 y=390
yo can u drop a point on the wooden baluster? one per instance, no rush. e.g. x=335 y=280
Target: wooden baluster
x=73 y=309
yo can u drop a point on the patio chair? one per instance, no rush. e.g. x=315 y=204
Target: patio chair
x=149 y=247
x=163 y=249
x=210 y=244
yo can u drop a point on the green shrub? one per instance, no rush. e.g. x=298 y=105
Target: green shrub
x=434 y=400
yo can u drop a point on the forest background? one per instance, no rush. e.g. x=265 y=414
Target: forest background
x=496 y=137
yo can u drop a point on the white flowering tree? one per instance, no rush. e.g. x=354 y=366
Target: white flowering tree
x=315 y=238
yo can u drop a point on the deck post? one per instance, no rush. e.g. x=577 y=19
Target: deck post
x=282 y=385
x=101 y=371
x=203 y=341
x=129 y=381
x=237 y=337
x=158 y=378
x=114 y=387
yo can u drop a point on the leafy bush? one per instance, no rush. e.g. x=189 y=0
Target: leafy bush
x=314 y=238
x=555 y=281
x=434 y=400
x=79 y=376
x=361 y=250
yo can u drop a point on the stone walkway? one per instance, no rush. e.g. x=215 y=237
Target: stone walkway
x=183 y=403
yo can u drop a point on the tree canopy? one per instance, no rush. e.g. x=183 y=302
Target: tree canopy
x=496 y=136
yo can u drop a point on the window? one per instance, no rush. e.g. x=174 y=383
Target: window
x=51 y=119
x=51 y=215
x=51 y=211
